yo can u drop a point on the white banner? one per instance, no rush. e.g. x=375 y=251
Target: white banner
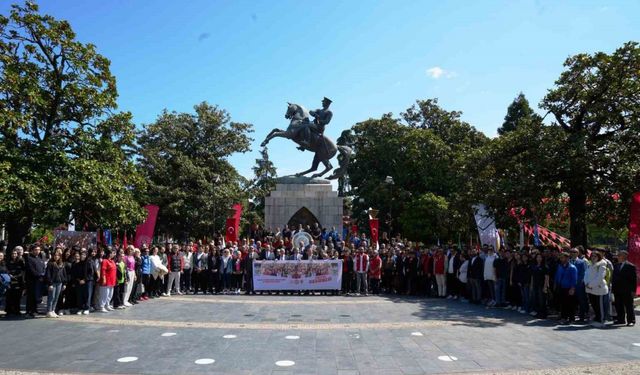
x=297 y=274
x=486 y=226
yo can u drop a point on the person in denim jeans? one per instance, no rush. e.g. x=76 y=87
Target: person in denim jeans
x=501 y=266
x=56 y=277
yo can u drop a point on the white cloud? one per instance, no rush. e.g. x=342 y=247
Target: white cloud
x=437 y=72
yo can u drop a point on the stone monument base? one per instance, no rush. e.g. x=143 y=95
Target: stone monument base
x=300 y=200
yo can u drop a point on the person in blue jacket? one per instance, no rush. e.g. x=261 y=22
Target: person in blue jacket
x=566 y=282
x=146 y=275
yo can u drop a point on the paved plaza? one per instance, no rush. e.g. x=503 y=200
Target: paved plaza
x=311 y=335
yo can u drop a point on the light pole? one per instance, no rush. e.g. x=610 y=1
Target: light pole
x=389 y=181
x=215 y=180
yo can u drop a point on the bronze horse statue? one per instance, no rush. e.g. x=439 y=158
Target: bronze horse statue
x=321 y=145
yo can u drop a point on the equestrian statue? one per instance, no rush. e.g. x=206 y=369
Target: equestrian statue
x=309 y=135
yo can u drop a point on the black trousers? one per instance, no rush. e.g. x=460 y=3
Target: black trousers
x=146 y=281
x=248 y=282
x=597 y=302
x=452 y=284
x=567 y=304
x=347 y=282
x=82 y=293
x=185 y=280
x=34 y=288
x=13 y=301
x=624 y=307
x=118 y=295
x=375 y=285
x=211 y=280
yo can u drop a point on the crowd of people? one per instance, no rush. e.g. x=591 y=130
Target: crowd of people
x=574 y=283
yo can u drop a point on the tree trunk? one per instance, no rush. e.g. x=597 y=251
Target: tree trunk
x=578 y=215
x=17 y=231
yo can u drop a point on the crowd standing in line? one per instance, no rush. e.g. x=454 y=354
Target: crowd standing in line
x=576 y=284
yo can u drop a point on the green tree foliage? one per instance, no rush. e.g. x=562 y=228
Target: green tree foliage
x=596 y=103
x=62 y=147
x=428 y=215
x=262 y=184
x=426 y=156
x=586 y=157
x=185 y=156
x=519 y=110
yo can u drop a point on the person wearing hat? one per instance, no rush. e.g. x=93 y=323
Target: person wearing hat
x=624 y=282
x=321 y=118
x=566 y=279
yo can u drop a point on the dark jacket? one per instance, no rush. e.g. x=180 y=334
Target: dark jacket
x=78 y=272
x=522 y=274
x=55 y=274
x=35 y=268
x=476 y=268
x=502 y=268
x=624 y=280
x=248 y=266
x=16 y=270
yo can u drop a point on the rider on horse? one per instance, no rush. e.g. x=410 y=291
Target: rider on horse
x=321 y=118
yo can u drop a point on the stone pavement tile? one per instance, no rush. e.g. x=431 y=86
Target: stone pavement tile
x=412 y=370
x=348 y=372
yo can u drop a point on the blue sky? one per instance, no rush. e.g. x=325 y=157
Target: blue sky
x=370 y=57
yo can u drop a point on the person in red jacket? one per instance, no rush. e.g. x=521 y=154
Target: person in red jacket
x=375 y=272
x=107 y=281
x=426 y=266
x=439 y=269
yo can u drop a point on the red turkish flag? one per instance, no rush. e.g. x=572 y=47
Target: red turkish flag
x=373 y=226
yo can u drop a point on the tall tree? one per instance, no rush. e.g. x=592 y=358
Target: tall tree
x=263 y=182
x=518 y=110
x=424 y=155
x=189 y=176
x=61 y=146
x=596 y=103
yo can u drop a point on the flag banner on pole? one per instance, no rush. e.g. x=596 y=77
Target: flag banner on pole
x=107 y=237
x=634 y=234
x=231 y=230
x=232 y=225
x=297 y=275
x=373 y=226
x=486 y=225
x=144 y=231
x=72 y=222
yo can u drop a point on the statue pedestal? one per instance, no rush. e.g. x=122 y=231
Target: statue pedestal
x=294 y=202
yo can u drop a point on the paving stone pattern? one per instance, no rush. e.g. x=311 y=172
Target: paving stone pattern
x=337 y=335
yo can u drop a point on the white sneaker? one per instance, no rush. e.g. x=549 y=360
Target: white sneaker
x=51 y=314
x=166 y=294
x=180 y=293
x=102 y=310
x=523 y=311
x=79 y=312
x=109 y=308
x=533 y=313
x=85 y=312
x=127 y=304
x=61 y=313
x=121 y=307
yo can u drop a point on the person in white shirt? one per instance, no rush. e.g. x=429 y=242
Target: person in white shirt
x=462 y=277
x=596 y=287
x=490 y=275
x=185 y=280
